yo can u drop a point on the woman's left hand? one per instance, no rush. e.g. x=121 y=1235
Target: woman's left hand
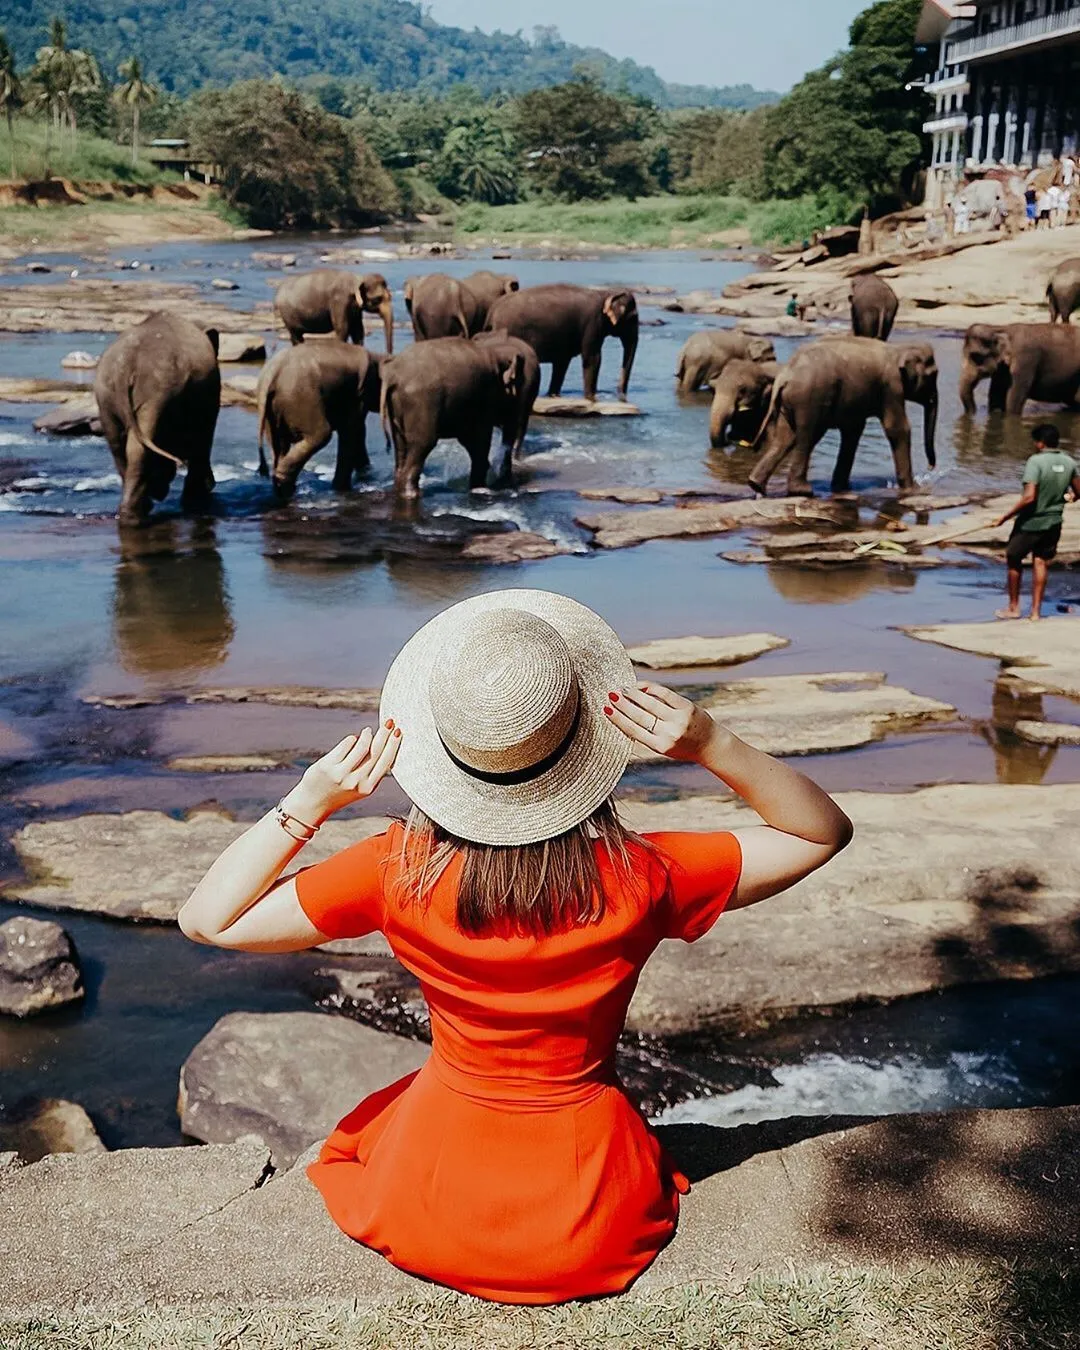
x=348 y=773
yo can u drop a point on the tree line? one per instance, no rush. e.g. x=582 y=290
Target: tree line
x=332 y=151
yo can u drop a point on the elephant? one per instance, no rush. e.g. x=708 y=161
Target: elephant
x=1021 y=361
x=314 y=390
x=516 y=423
x=561 y=321
x=841 y=383
x=741 y=394
x=158 y=390
x=1063 y=292
x=329 y=301
x=450 y=388
x=705 y=355
x=443 y=306
x=873 y=308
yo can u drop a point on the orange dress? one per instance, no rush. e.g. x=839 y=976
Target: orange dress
x=513 y=1166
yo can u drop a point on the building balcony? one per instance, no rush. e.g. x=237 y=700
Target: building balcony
x=947 y=84
x=1043 y=31
x=954 y=122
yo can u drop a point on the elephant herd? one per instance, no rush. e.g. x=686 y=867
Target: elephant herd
x=475 y=367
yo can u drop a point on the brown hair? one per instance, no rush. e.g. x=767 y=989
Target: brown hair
x=531 y=888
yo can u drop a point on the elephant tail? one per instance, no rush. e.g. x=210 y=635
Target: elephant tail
x=459 y=311
x=144 y=440
x=386 y=414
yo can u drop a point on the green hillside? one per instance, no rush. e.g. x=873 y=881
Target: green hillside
x=390 y=44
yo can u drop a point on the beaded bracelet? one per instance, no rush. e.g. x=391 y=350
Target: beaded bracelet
x=290 y=824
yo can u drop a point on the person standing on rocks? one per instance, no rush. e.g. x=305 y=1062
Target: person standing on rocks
x=1051 y=477
x=513 y=1166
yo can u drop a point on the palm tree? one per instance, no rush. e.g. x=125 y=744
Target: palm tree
x=85 y=78
x=55 y=70
x=11 y=93
x=133 y=93
x=46 y=95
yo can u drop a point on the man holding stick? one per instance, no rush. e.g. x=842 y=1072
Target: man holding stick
x=1051 y=478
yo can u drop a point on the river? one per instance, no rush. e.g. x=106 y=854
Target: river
x=259 y=595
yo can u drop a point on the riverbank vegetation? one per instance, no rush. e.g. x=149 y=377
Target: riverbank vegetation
x=575 y=160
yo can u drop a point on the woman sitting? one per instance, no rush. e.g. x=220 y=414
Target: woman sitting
x=513 y=1166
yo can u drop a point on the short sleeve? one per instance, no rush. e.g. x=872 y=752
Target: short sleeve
x=703 y=871
x=343 y=896
x=1031 y=470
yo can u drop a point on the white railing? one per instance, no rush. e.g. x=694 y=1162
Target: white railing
x=947 y=84
x=1016 y=35
x=954 y=122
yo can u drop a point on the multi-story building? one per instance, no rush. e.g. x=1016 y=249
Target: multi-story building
x=1006 y=88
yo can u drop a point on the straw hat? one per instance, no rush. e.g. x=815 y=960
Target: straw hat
x=501 y=704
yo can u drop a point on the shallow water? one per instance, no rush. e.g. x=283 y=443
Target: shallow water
x=324 y=592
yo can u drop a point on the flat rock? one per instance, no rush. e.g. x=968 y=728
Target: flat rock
x=814 y=714
x=778 y=325
x=37 y=1127
x=78 y=361
x=945 y=886
x=99 y=305
x=224 y=284
x=285 y=696
x=142 y=865
x=581 y=407
x=133 y=1229
x=514 y=546
x=39 y=968
x=77 y=417
x=624 y=529
x=1048 y=733
x=234 y=347
x=285 y=1079
x=1043 y=656
x=680 y=653
x=231 y=763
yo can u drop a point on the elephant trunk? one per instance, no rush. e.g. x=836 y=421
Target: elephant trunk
x=969 y=379
x=629 y=346
x=723 y=411
x=930 y=415
x=386 y=310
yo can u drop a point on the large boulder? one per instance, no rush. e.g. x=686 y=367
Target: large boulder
x=38 y=1126
x=241 y=347
x=76 y=417
x=286 y=1079
x=39 y=968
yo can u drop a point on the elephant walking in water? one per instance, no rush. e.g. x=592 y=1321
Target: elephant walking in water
x=329 y=301
x=561 y=321
x=444 y=306
x=1063 y=292
x=158 y=390
x=705 y=354
x=839 y=384
x=1021 y=361
x=313 y=391
x=452 y=388
x=873 y=308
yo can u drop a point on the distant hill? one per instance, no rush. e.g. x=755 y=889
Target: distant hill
x=390 y=44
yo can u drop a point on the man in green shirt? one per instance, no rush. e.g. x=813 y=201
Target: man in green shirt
x=1050 y=476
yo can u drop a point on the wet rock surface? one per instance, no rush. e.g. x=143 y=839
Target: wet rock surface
x=77 y=417
x=94 y=305
x=234 y=347
x=969 y=1184
x=1044 y=657
x=39 y=968
x=624 y=529
x=33 y=1129
x=284 y=1080
x=582 y=407
x=681 y=653
x=941 y=887
x=1048 y=733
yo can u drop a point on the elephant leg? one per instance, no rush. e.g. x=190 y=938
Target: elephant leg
x=850 y=435
x=590 y=369
x=1001 y=383
x=1019 y=389
x=897 y=428
x=780 y=444
x=806 y=441
x=559 y=367
x=135 y=500
x=478 y=445
x=287 y=468
x=352 y=455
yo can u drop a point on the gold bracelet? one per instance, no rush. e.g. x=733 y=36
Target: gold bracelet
x=290 y=824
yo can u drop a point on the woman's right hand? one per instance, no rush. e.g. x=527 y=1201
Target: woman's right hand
x=347 y=774
x=662 y=720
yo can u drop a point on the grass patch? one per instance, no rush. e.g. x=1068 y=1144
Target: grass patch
x=951 y=1305
x=91 y=160
x=651 y=222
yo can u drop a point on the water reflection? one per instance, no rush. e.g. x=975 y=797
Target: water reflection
x=836 y=585
x=998 y=436
x=172 y=613
x=1015 y=759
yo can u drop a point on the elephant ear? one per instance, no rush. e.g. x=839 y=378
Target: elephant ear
x=618 y=305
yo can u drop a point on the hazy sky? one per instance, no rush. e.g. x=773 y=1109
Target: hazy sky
x=768 y=43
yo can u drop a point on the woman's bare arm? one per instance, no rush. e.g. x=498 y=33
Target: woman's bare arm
x=803 y=827
x=240 y=903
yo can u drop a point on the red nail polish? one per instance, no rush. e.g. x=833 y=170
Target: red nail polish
x=614 y=698
x=397 y=731
x=389 y=724
x=608 y=712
